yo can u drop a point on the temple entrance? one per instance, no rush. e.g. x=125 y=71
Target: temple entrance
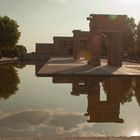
x=112 y=26
x=106 y=49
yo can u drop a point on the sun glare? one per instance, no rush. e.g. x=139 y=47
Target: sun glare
x=126 y=2
x=135 y=133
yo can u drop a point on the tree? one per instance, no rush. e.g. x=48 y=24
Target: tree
x=21 y=50
x=129 y=37
x=18 y=51
x=138 y=39
x=9 y=34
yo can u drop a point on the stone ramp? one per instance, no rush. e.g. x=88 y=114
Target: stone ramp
x=68 y=66
x=70 y=138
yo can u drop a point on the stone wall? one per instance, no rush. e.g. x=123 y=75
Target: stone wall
x=44 y=48
x=75 y=46
x=36 y=57
x=63 y=45
x=80 y=43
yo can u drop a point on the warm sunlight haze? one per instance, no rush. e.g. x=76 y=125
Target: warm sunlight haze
x=40 y=20
x=135 y=133
x=69 y=69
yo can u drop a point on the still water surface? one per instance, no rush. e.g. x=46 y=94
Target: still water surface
x=67 y=106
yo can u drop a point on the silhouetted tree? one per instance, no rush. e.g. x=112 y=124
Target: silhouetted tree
x=21 y=50
x=127 y=90
x=18 y=50
x=137 y=90
x=9 y=34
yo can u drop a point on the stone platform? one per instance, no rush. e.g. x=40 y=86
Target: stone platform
x=68 y=66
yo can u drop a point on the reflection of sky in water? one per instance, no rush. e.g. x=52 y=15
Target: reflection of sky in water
x=42 y=108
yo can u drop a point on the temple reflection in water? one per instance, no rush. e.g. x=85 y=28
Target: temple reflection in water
x=117 y=90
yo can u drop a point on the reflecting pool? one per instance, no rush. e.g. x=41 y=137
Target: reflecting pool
x=67 y=106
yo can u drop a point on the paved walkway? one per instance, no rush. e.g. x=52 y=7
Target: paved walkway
x=7 y=60
x=72 y=138
x=68 y=66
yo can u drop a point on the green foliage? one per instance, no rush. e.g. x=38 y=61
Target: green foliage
x=19 y=51
x=137 y=90
x=9 y=34
x=138 y=39
x=129 y=36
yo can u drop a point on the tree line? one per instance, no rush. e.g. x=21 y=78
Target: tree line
x=9 y=36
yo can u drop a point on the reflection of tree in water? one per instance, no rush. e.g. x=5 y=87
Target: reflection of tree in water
x=19 y=65
x=125 y=84
x=127 y=89
x=137 y=90
x=129 y=86
x=8 y=81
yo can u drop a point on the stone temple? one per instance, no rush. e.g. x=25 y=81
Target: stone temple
x=87 y=44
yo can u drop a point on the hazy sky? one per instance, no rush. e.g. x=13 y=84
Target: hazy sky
x=40 y=20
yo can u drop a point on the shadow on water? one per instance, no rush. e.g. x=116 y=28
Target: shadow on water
x=9 y=79
x=118 y=90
